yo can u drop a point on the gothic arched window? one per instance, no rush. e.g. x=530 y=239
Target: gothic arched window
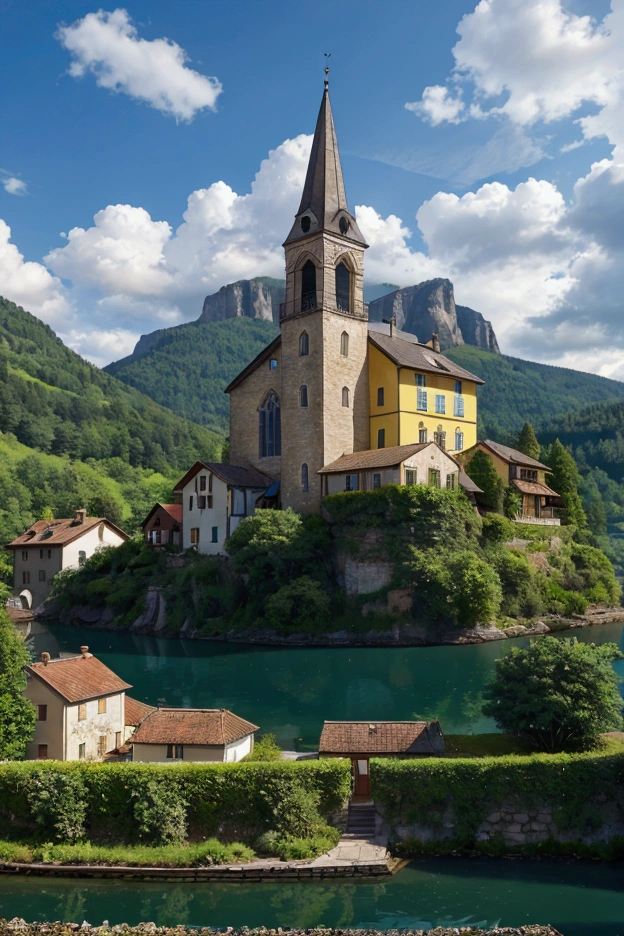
x=308 y=286
x=304 y=478
x=344 y=344
x=343 y=288
x=345 y=396
x=270 y=427
x=303 y=395
x=304 y=344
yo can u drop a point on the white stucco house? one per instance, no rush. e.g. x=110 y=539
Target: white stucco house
x=168 y=735
x=80 y=705
x=49 y=546
x=215 y=498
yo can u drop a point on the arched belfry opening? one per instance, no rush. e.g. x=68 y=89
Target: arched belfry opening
x=308 y=286
x=343 y=288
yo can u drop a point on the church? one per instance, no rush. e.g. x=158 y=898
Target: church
x=333 y=389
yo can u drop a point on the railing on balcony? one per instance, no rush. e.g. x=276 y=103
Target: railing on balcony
x=546 y=517
x=310 y=301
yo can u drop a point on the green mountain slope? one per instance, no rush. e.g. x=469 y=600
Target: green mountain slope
x=54 y=401
x=517 y=390
x=187 y=367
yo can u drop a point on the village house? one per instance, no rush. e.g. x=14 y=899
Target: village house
x=163 y=525
x=419 y=463
x=361 y=740
x=215 y=498
x=80 y=705
x=333 y=384
x=168 y=735
x=528 y=476
x=52 y=545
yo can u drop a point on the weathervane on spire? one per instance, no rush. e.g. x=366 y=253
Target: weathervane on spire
x=327 y=57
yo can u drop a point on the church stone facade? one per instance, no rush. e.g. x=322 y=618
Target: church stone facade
x=308 y=398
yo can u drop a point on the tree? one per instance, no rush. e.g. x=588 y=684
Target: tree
x=482 y=471
x=17 y=713
x=565 y=481
x=558 y=694
x=527 y=442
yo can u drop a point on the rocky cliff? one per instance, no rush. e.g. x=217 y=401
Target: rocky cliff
x=430 y=307
x=257 y=298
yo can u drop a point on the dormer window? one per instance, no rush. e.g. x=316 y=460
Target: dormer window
x=344 y=226
x=305 y=224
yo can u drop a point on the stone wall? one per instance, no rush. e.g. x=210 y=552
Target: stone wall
x=245 y=400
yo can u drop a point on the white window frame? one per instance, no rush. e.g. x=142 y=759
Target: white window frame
x=440 y=404
x=421 y=400
x=458 y=407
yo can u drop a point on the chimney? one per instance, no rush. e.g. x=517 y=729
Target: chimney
x=45 y=658
x=392 y=326
x=372 y=729
x=81 y=516
x=435 y=342
x=84 y=652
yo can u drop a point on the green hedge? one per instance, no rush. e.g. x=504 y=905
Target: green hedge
x=160 y=803
x=576 y=786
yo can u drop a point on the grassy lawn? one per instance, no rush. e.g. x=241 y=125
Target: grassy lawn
x=210 y=852
x=498 y=744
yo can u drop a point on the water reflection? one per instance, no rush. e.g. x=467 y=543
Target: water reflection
x=290 y=691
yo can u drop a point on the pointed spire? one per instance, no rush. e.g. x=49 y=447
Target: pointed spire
x=324 y=199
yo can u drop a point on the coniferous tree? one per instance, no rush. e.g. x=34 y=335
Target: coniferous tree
x=527 y=442
x=482 y=471
x=17 y=713
x=565 y=481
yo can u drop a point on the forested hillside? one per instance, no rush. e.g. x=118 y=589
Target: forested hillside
x=187 y=367
x=54 y=401
x=516 y=391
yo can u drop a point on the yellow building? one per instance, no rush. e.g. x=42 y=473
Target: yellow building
x=333 y=383
x=417 y=394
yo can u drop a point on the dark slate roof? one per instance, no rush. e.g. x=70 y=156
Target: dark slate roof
x=324 y=191
x=534 y=487
x=468 y=484
x=229 y=474
x=415 y=737
x=513 y=456
x=405 y=351
x=264 y=355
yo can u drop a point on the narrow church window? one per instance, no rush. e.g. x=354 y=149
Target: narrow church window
x=303 y=395
x=304 y=344
x=343 y=288
x=422 y=436
x=308 y=286
x=270 y=427
x=344 y=344
x=304 y=478
x=381 y=438
x=345 y=396
x=380 y=396
x=459 y=440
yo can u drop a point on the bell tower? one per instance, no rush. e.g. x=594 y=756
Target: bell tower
x=324 y=326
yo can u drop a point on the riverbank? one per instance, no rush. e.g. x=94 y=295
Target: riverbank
x=410 y=634
x=19 y=927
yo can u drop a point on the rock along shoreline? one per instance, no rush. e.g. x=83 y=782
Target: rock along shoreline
x=18 y=927
x=399 y=635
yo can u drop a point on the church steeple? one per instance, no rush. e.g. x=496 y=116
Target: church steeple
x=323 y=205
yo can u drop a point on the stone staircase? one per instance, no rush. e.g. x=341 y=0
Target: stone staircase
x=361 y=821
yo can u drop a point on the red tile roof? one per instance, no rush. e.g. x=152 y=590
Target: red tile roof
x=78 y=679
x=60 y=532
x=192 y=726
x=174 y=511
x=136 y=711
x=381 y=738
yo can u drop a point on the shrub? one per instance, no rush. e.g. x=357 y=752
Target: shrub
x=520 y=582
x=561 y=601
x=57 y=803
x=497 y=529
x=558 y=694
x=457 y=585
x=160 y=811
x=301 y=605
x=292 y=848
x=296 y=813
x=266 y=748
x=594 y=568
x=17 y=713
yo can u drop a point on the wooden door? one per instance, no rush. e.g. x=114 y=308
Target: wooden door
x=361 y=777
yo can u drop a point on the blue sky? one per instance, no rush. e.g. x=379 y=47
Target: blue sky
x=526 y=229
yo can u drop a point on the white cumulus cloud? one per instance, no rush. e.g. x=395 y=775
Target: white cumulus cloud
x=438 y=106
x=154 y=71
x=14 y=186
